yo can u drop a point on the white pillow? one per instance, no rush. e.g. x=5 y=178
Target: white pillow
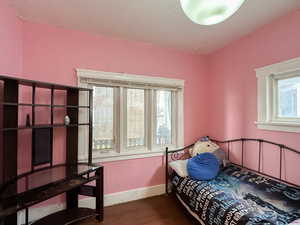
x=180 y=167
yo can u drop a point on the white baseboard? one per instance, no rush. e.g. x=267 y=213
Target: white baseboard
x=109 y=199
x=134 y=194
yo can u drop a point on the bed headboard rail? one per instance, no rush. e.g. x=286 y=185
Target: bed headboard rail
x=182 y=153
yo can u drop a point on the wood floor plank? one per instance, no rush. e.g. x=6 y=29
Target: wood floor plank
x=159 y=210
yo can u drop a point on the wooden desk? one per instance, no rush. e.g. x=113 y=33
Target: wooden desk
x=40 y=185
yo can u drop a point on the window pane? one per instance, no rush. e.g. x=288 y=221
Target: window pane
x=163 y=117
x=288 y=97
x=135 y=117
x=103 y=125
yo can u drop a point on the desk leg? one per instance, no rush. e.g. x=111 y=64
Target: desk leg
x=99 y=194
x=72 y=198
x=10 y=220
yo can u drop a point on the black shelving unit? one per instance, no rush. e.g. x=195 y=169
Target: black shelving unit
x=44 y=126
x=73 y=183
x=45 y=105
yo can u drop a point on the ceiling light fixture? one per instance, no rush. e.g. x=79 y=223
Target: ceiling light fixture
x=210 y=12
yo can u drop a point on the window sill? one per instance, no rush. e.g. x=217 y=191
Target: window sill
x=283 y=126
x=109 y=157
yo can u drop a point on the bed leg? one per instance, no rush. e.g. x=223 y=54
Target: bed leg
x=166 y=171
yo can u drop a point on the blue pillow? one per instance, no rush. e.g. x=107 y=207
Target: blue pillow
x=204 y=166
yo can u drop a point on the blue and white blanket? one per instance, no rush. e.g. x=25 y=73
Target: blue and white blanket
x=240 y=197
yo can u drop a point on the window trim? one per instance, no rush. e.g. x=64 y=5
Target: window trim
x=267 y=105
x=129 y=80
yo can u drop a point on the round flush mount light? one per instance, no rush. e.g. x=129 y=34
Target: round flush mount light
x=210 y=12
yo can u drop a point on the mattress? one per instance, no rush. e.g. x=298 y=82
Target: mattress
x=240 y=197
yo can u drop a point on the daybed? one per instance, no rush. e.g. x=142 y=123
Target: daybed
x=238 y=195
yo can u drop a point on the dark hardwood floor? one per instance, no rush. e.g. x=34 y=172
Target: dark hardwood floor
x=160 y=210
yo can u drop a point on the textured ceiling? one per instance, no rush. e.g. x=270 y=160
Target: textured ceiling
x=160 y=22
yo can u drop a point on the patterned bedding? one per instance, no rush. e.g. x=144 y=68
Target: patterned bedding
x=239 y=197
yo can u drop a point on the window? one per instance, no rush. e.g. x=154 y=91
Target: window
x=103 y=115
x=289 y=97
x=134 y=116
x=163 y=118
x=279 y=96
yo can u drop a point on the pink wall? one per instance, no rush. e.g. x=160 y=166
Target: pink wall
x=232 y=89
x=51 y=54
x=10 y=40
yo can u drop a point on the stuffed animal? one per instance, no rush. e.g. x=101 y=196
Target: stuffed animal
x=206 y=145
x=203 y=145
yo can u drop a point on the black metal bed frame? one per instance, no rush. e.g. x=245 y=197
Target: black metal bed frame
x=183 y=153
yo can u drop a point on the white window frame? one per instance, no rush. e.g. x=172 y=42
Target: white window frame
x=149 y=83
x=267 y=97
